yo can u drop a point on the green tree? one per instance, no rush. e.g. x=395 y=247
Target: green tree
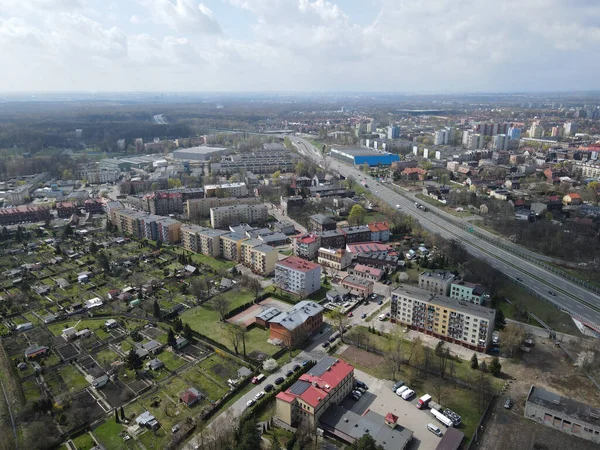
x=187 y=332
x=93 y=248
x=474 y=362
x=67 y=231
x=357 y=215
x=495 y=367
x=171 y=338
x=67 y=175
x=133 y=359
x=156 y=309
x=276 y=175
x=366 y=442
x=499 y=320
x=246 y=435
x=174 y=183
x=102 y=261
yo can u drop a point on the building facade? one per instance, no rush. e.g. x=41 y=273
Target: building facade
x=334 y=258
x=231 y=246
x=470 y=292
x=298 y=276
x=357 y=286
x=224 y=216
x=306 y=246
x=436 y=281
x=258 y=257
x=320 y=222
x=294 y=326
x=443 y=317
x=366 y=273
x=226 y=190
x=199 y=208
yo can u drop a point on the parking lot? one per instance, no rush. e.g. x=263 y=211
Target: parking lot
x=380 y=399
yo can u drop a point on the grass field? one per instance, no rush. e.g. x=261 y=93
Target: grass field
x=109 y=435
x=72 y=378
x=94 y=325
x=84 y=442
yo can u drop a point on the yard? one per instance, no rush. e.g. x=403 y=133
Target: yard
x=84 y=442
x=109 y=435
x=73 y=378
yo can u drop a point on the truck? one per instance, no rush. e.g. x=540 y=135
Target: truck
x=423 y=401
x=258 y=379
x=442 y=418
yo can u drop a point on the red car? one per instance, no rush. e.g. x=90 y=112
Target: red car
x=350 y=314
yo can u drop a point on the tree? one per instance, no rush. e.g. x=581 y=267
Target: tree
x=483 y=389
x=357 y=215
x=366 y=442
x=93 y=248
x=220 y=304
x=512 y=338
x=339 y=320
x=171 y=338
x=174 y=183
x=102 y=262
x=443 y=355
x=133 y=359
x=188 y=333
x=67 y=231
x=233 y=332
x=474 y=362
x=157 y=312
x=500 y=320
x=276 y=175
x=275 y=444
x=395 y=354
x=495 y=366
x=200 y=288
x=253 y=285
x=270 y=365
x=246 y=435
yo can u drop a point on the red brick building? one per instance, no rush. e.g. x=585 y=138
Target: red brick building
x=297 y=323
x=66 y=209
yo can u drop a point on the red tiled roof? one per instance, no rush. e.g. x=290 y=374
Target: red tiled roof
x=378 y=226
x=293 y=262
x=361 y=268
x=288 y=398
x=410 y=170
x=370 y=247
x=391 y=418
x=188 y=397
x=574 y=195
x=307 y=238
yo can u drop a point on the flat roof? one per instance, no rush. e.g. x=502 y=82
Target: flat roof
x=563 y=405
x=297 y=314
x=200 y=150
x=357 y=151
x=351 y=279
x=451 y=440
x=268 y=314
x=444 y=275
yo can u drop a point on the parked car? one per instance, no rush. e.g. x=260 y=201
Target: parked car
x=401 y=390
x=397 y=385
x=357 y=393
x=250 y=403
x=363 y=316
x=325 y=344
x=175 y=428
x=350 y=314
x=305 y=362
x=508 y=403
x=260 y=395
x=380 y=302
x=296 y=368
x=354 y=396
x=408 y=394
x=289 y=373
x=268 y=388
x=279 y=380
x=434 y=429
x=360 y=384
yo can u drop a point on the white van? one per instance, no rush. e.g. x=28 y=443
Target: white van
x=442 y=418
x=382 y=317
x=408 y=394
x=401 y=389
x=434 y=429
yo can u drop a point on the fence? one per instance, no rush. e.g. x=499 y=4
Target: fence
x=479 y=425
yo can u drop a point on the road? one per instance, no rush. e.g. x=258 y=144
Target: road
x=160 y=119
x=576 y=300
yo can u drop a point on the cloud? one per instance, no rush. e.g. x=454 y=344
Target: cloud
x=183 y=15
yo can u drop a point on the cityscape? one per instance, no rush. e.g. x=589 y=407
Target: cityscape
x=268 y=225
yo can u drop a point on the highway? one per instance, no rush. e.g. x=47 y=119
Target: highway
x=576 y=300
x=160 y=119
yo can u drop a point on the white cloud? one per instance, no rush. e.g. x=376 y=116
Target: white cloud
x=183 y=15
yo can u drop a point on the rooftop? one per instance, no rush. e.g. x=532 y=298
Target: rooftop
x=322 y=219
x=361 y=268
x=565 y=406
x=295 y=263
x=297 y=314
x=268 y=314
x=440 y=274
x=307 y=239
x=356 y=281
x=369 y=247
x=379 y=226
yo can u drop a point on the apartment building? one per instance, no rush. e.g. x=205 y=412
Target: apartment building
x=443 y=317
x=332 y=239
x=294 y=326
x=380 y=231
x=470 y=292
x=563 y=414
x=334 y=258
x=224 y=216
x=320 y=222
x=226 y=190
x=258 y=257
x=360 y=233
x=298 y=276
x=357 y=286
x=306 y=246
x=93 y=206
x=436 y=281
x=327 y=383
x=22 y=214
x=199 y=208
x=202 y=240
x=189 y=237
x=231 y=246
x=147 y=226
x=66 y=209
x=163 y=203
x=169 y=230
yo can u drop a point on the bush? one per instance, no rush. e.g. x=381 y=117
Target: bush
x=270 y=365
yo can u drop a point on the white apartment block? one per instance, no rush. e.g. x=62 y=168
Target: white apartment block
x=298 y=276
x=231 y=246
x=226 y=190
x=224 y=216
x=334 y=258
x=446 y=318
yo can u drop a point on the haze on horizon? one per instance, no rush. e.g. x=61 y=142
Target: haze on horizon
x=300 y=45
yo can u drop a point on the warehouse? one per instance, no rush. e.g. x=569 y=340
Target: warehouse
x=358 y=156
x=199 y=153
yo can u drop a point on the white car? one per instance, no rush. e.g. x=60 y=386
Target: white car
x=260 y=395
x=250 y=402
x=408 y=394
x=401 y=389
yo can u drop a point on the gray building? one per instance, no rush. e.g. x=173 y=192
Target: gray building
x=199 y=153
x=564 y=414
x=436 y=281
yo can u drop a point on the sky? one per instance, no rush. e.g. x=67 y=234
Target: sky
x=299 y=45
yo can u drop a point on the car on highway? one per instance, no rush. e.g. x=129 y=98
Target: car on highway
x=260 y=395
x=552 y=293
x=279 y=380
x=269 y=387
x=250 y=403
x=520 y=280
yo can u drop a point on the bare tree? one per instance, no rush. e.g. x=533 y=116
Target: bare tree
x=220 y=304
x=235 y=336
x=200 y=288
x=395 y=354
x=512 y=338
x=339 y=320
x=439 y=389
x=443 y=355
x=253 y=285
x=483 y=389
x=358 y=335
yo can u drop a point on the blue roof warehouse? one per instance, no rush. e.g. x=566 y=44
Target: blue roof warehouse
x=358 y=156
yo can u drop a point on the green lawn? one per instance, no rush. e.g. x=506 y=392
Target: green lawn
x=94 y=325
x=84 y=442
x=106 y=356
x=154 y=440
x=31 y=390
x=109 y=435
x=72 y=378
x=198 y=258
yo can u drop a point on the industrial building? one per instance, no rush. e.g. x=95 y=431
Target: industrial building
x=359 y=156
x=199 y=153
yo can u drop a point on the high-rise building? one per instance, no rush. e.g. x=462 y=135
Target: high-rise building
x=439 y=137
x=474 y=141
x=224 y=216
x=514 y=133
x=500 y=142
x=465 y=137
x=556 y=131
x=393 y=132
x=298 y=276
x=536 y=131
x=570 y=128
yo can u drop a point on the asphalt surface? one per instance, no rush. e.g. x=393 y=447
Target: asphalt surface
x=576 y=300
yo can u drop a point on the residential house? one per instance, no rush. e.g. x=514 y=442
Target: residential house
x=359 y=287
x=306 y=246
x=36 y=351
x=380 y=231
x=332 y=239
x=295 y=325
x=190 y=397
x=436 y=281
x=320 y=222
x=334 y=258
x=361 y=233
x=365 y=272
x=572 y=199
